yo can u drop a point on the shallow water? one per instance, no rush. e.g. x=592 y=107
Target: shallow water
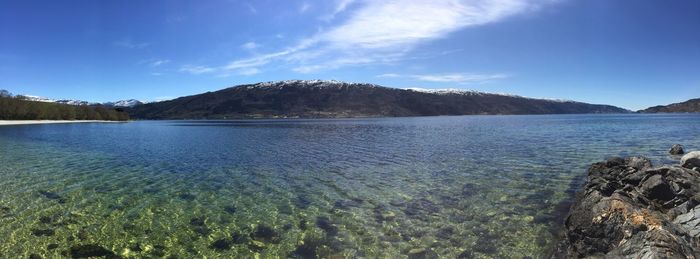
x=471 y=186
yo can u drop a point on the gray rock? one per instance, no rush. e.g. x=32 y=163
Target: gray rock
x=629 y=210
x=676 y=149
x=691 y=160
x=690 y=222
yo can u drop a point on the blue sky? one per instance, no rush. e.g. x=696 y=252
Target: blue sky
x=631 y=54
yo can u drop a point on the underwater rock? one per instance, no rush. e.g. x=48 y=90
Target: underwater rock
x=230 y=209
x=422 y=253
x=676 y=149
x=238 y=238
x=628 y=209
x=42 y=232
x=691 y=160
x=91 y=250
x=256 y=246
x=52 y=196
x=197 y=222
x=302 y=202
x=186 y=196
x=325 y=224
x=222 y=244
x=265 y=234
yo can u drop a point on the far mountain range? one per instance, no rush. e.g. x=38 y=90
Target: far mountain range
x=336 y=99
x=120 y=103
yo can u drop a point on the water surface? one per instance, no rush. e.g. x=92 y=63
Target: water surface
x=465 y=186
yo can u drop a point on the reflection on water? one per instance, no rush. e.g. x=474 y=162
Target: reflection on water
x=467 y=187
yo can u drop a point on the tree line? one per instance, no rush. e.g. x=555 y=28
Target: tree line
x=18 y=108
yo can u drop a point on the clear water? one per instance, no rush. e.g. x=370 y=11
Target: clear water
x=479 y=186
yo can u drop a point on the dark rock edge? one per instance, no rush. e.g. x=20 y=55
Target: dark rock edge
x=629 y=209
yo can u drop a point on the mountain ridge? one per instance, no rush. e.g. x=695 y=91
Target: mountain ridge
x=335 y=99
x=689 y=106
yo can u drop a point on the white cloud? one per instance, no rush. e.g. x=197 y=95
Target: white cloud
x=340 y=6
x=251 y=8
x=250 y=45
x=129 y=44
x=156 y=63
x=460 y=78
x=383 y=32
x=249 y=71
x=388 y=75
x=304 y=7
x=196 y=70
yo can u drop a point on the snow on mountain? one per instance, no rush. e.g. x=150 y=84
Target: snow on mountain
x=121 y=103
x=473 y=93
x=320 y=84
x=124 y=103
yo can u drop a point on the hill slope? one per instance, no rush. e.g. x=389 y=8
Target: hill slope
x=327 y=99
x=692 y=105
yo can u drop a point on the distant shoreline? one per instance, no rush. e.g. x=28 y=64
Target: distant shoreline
x=31 y=122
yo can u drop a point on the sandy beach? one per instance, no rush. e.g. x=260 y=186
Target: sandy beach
x=29 y=122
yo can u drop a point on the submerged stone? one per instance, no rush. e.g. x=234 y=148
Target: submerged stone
x=256 y=246
x=302 y=202
x=325 y=224
x=42 y=232
x=303 y=224
x=136 y=247
x=238 y=238
x=91 y=250
x=221 y=244
x=266 y=234
x=230 y=209
x=422 y=253
x=197 y=222
x=186 y=196
x=52 y=196
x=307 y=249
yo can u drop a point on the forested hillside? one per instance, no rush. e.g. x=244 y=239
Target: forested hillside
x=16 y=108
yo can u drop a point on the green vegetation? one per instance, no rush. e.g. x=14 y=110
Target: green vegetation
x=17 y=108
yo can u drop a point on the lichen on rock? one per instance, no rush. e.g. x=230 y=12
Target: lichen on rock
x=628 y=209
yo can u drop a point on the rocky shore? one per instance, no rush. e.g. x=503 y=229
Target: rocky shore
x=630 y=209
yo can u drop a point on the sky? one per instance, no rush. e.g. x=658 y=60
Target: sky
x=631 y=54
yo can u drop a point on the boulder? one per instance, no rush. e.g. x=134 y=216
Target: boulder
x=628 y=209
x=691 y=160
x=676 y=149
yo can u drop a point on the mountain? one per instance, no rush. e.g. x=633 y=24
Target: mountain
x=329 y=99
x=124 y=103
x=692 y=105
x=121 y=103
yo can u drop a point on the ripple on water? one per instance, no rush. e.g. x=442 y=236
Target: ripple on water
x=465 y=187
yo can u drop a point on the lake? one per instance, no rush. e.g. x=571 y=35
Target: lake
x=462 y=186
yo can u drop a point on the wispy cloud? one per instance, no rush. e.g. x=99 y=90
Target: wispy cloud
x=129 y=44
x=388 y=75
x=196 y=70
x=459 y=78
x=159 y=62
x=249 y=45
x=385 y=32
x=304 y=7
x=251 y=8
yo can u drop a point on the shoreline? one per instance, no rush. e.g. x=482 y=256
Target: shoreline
x=35 y=122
